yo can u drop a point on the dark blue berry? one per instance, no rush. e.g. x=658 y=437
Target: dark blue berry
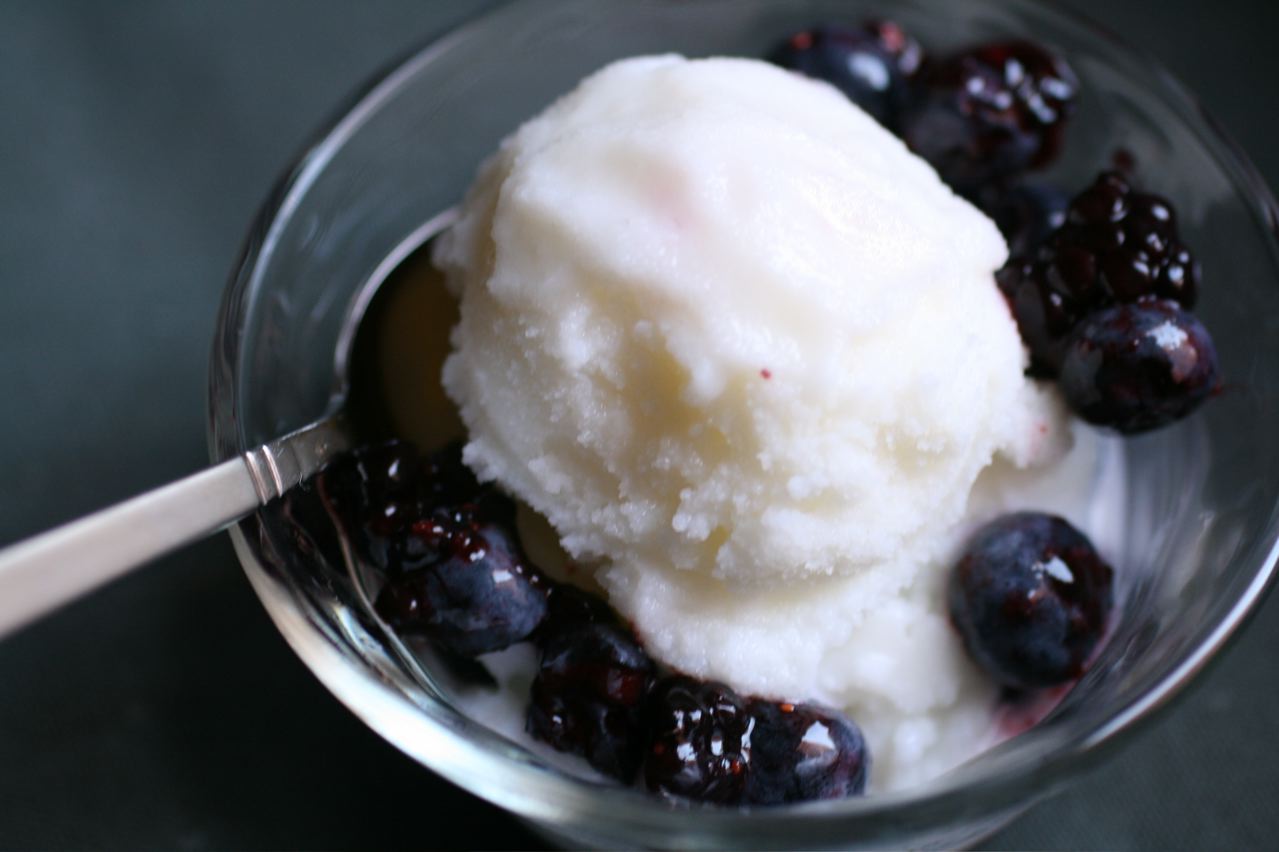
x=1025 y=214
x=990 y=112
x=872 y=64
x=1030 y=597
x=587 y=698
x=700 y=746
x=1138 y=367
x=568 y=607
x=449 y=484
x=478 y=594
x=1116 y=245
x=803 y=752
x=446 y=480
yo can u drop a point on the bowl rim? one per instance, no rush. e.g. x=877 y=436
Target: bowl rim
x=529 y=790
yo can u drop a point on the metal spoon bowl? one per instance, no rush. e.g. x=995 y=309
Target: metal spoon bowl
x=53 y=568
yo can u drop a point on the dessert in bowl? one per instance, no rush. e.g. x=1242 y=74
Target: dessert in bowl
x=364 y=206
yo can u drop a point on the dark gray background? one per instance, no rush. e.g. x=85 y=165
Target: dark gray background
x=136 y=142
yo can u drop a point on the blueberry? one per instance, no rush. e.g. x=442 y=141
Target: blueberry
x=449 y=484
x=871 y=64
x=587 y=698
x=1030 y=597
x=477 y=595
x=990 y=112
x=568 y=607
x=445 y=544
x=1138 y=367
x=447 y=481
x=802 y=752
x=1045 y=311
x=700 y=745
x=1025 y=214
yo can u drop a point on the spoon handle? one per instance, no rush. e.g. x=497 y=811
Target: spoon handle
x=53 y=568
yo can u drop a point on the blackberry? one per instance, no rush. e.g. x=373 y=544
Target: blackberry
x=990 y=112
x=1138 y=367
x=872 y=64
x=1117 y=245
x=588 y=697
x=1030 y=597
x=376 y=492
x=802 y=752
x=700 y=745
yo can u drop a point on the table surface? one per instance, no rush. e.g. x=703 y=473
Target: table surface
x=166 y=712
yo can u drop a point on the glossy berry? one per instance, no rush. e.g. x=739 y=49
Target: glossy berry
x=1030 y=597
x=447 y=483
x=871 y=64
x=1116 y=245
x=476 y=594
x=1045 y=308
x=1025 y=214
x=1134 y=241
x=1138 y=367
x=802 y=752
x=587 y=698
x=990 y=112
x=376 y=492
x=446 y=480
x=568 y=607
x=701 y=739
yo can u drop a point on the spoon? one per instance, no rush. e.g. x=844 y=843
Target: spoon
x=53 y=568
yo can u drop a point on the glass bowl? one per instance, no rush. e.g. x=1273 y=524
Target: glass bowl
x=1202 y=495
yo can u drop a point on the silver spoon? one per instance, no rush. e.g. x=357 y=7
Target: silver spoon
x=53 y=568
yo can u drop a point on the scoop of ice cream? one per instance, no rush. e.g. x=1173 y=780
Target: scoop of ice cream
x=878 y=643
x=715 y=319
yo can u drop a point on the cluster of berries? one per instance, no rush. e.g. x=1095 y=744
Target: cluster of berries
x=1100 y=284
x=454 y=572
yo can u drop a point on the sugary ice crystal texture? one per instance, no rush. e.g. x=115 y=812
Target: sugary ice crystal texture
x=716 y=320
